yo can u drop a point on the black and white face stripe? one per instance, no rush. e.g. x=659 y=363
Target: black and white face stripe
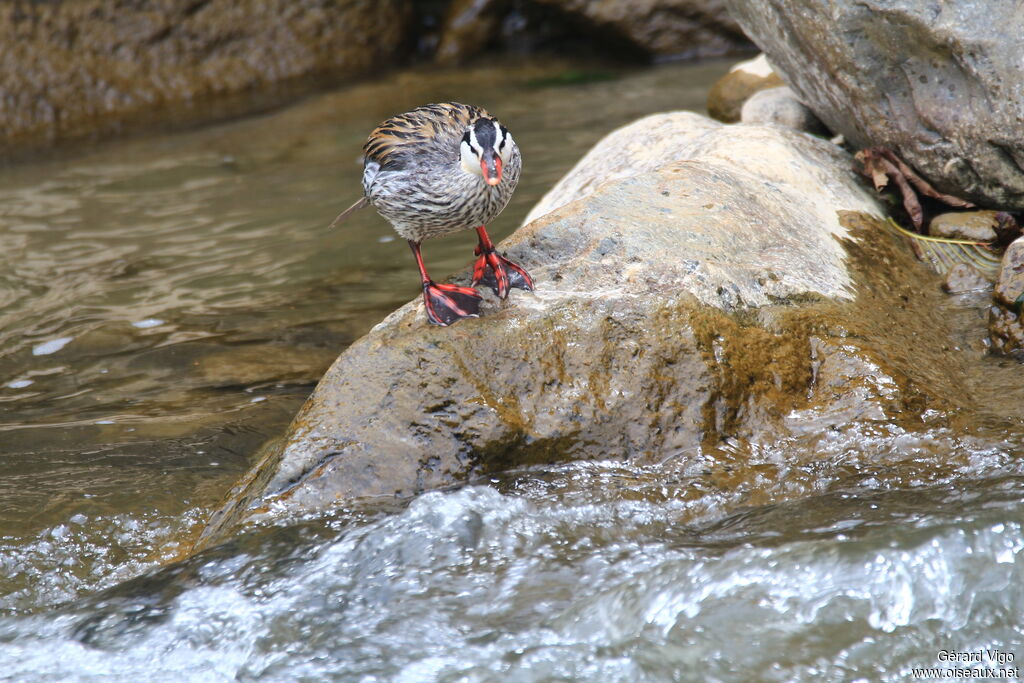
x=484 y=141
x=484 y=134
x=487 y=134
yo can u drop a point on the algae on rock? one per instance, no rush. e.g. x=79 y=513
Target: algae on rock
x=662 y=322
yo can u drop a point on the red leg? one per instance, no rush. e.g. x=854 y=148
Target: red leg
x=445 y=304
x=504 y=273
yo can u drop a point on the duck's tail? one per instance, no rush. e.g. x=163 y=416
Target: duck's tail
x=363 y=201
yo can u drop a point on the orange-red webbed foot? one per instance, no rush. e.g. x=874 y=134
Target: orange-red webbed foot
x=498 y=273
x=447 y=304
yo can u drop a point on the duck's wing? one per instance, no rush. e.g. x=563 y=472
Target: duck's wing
x=433 y=129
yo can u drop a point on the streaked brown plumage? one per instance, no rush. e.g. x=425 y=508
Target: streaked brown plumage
x=438 y=169
x=414 y=177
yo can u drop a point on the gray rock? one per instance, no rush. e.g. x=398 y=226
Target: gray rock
x=940 y=83
x=664 y=314
x=469 y=25
x=781 y=107
x=977 y=226
x=72 y=69
x=676 y=28
x=646 y=145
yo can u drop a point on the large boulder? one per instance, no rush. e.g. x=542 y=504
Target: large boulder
x=671 y=311
x=628 y=151
x=662 y=28
x=939 y=82
x=81 y=68
x=632 y=28
x=468 y=26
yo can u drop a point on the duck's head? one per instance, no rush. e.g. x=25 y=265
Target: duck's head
x=486 y=148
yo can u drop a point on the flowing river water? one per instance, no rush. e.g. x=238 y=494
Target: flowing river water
x=167 y=303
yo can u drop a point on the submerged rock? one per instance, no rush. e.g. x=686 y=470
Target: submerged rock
x=963 y=277
x=939 y=83
x=674 y=308
x=81 y=68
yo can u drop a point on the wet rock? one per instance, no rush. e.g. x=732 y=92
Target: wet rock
x=469 y=25
x=250 y=365
x=76 y=69
x=940 y=83
x=977 y=226
x=661 y=28
x=1009 y=289
x=1005 y=325
x=727 y=95
x=1006 y=331
x=669 y=312
x=780 y=106
x=965 y=278
x=1007 y=228
x=623 y=153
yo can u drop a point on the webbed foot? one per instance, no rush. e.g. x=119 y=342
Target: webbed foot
x=447 y=304
x=498 y=273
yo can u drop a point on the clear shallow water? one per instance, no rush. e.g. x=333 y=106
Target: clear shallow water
x=166 y=305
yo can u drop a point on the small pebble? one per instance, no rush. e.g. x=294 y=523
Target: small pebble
x=1009 y=289
x=1006 y=331
x=965 y=278
x=976 y=226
